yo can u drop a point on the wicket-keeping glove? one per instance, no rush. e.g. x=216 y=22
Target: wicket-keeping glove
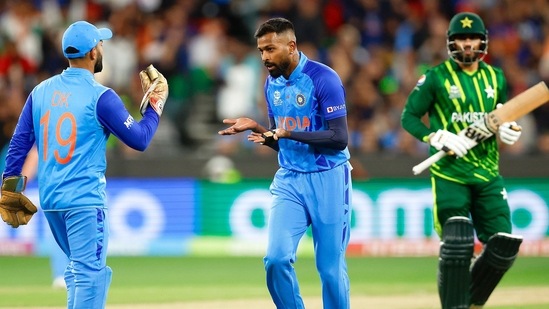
x=15 y=208
x=155 y=88
x=449 y=142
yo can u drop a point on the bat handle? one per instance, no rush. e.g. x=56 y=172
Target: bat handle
x=418 y=169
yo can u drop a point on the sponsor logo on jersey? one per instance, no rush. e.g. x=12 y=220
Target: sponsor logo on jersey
x=454 y=92
x=129 y=122
x=300 y=100
x=331 y=109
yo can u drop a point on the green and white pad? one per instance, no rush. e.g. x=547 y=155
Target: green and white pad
x=456 y=251
x=497 y=257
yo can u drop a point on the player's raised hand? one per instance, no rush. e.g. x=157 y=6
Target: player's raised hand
x=449 y=142
x=238 y=125
x=15 y=208
x=155 y=88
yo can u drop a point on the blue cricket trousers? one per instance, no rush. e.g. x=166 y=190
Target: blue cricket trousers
x=321 y=200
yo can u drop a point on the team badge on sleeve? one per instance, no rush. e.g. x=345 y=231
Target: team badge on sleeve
x=421 y=80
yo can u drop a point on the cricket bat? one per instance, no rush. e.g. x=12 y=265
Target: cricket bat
x=515 y=108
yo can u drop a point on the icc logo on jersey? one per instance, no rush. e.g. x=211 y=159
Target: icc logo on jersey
x=277 y=101
x=454 y=92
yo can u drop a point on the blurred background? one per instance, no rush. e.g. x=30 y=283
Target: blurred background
x=191 y=182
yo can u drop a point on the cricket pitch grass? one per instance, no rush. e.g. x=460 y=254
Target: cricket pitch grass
x=238 y=282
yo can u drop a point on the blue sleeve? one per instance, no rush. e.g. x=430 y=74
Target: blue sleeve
x=21 y=141
x=330 y=93
x=336 y=137
x=114 y=116
x=331 y=96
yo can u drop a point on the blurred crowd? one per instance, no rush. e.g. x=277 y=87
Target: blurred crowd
x=207 y=51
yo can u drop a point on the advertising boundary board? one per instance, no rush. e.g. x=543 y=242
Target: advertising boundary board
x=185 y=216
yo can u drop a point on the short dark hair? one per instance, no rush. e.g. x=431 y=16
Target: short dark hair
x=277 y=25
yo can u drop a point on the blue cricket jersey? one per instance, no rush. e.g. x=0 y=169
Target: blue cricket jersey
x=311 y=96
x=70 y=117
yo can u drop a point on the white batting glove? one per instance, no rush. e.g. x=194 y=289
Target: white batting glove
x=509 y=132
x=449 y=142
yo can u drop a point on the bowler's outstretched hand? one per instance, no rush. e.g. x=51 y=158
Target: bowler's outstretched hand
x=238 y=125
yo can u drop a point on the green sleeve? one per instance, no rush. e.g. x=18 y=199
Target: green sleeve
x=503 y=91
x=417 y=105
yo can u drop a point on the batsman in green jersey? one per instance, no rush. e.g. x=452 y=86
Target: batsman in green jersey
x=469 y=193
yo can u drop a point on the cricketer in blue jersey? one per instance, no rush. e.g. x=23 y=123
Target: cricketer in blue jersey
x=308 y=128
x=70 y=117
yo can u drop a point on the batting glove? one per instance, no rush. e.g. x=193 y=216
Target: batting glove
x=449 y=142
x=15 y=208
x=509 y=132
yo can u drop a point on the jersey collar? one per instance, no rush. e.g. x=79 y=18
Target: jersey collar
x=299 y=68
x=77 y=72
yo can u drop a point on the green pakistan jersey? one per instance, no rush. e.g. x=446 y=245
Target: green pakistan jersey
x=454 y=99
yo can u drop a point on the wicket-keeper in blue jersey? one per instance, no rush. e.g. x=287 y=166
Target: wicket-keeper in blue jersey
x=308 y=128
x=70 y=117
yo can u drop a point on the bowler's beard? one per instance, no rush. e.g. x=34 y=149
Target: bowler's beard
x=98 y=67
x=279 y=68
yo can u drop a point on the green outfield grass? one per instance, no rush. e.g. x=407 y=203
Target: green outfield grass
x=26 y=281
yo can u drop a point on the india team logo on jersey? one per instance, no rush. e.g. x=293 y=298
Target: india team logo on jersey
x=300 y=100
